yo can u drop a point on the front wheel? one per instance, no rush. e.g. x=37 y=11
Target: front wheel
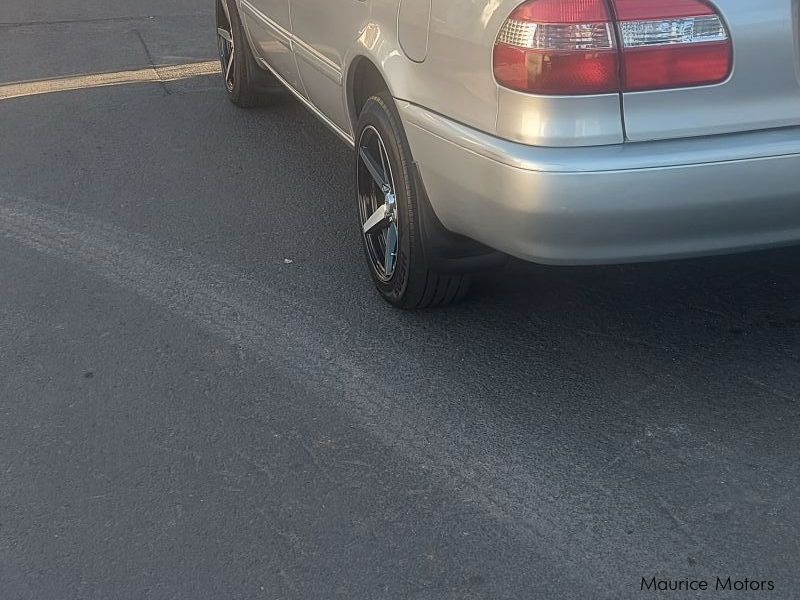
x=246 y=83
x=389 y=214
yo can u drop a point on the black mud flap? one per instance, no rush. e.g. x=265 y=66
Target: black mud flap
x=448 y=252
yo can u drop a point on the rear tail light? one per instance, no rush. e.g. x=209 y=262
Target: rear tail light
x=558 y=47
x=671 y=44
x=566 y=47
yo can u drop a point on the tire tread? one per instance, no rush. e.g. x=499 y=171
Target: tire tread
x=442 y=290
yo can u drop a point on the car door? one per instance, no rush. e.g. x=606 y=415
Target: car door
x=269 y=26
x=324 y=30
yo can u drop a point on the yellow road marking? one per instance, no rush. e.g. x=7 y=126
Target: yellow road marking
x=95 y=80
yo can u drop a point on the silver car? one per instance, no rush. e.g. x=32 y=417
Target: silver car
x=557 y=131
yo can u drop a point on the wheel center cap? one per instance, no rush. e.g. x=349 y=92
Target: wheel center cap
x=391 y=204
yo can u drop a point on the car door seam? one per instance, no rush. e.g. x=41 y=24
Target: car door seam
x=300 y=48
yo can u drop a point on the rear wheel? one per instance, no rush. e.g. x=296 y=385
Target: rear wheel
x=246 y=83
x=389 y=214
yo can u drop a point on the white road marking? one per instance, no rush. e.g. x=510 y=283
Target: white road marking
x=96 y=80
x=301 y=339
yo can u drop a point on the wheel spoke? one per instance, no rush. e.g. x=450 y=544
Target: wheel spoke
x=391 y=249
x=225 y=35
x=230 y=65
x=374 y=170
x=384 y=160
x=378 y=221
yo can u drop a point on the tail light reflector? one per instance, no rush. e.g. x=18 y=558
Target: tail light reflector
x=570 y=46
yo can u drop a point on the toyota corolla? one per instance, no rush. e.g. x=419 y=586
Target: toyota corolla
x=557 y=131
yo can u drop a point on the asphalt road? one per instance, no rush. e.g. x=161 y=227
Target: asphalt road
x=184 y=414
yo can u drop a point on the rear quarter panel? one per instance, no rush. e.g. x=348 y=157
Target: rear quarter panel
x=456 y=79
x=455 y=76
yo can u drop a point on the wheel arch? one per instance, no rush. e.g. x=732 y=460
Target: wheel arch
x=363 y=79
x=447 y=252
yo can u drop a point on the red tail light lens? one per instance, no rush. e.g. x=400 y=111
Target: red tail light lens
x=569 y=47
x=671 y=44
x=558 y=47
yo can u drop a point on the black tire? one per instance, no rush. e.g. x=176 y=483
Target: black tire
x=247 y=84
x=412 y=284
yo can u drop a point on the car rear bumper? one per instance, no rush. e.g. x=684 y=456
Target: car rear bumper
x=610 y=204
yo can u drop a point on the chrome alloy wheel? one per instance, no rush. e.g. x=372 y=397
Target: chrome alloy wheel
x=377 y=203
x=227 y=50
